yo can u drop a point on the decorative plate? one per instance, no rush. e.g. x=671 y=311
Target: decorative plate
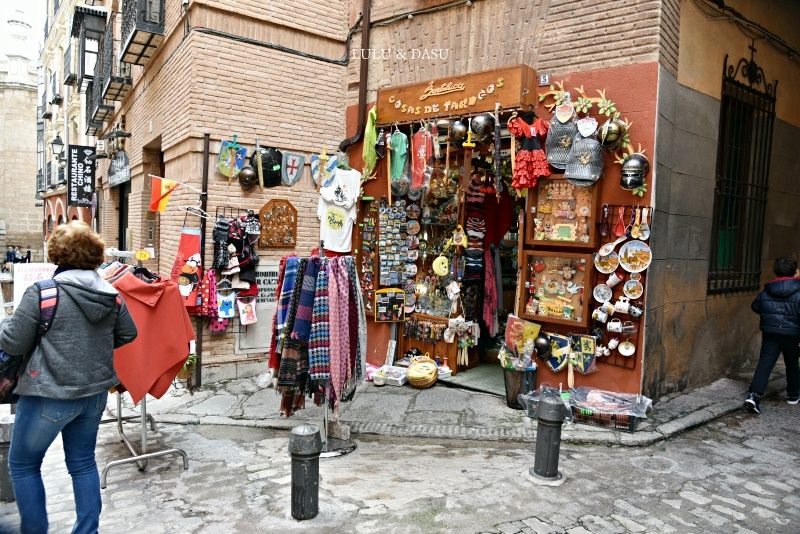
x=602 y=293
x=413 y=211
x=635 y=256
x=413 y=227
x=606 y=264
x=412 y=242
x=627 y=348
x=633 y=289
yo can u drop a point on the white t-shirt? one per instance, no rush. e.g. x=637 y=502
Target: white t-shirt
x=337 y=209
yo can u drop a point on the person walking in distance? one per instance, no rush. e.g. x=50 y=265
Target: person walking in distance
x=65 y=381
x=779 y=307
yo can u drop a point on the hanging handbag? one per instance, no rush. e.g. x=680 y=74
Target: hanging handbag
x=12 y=366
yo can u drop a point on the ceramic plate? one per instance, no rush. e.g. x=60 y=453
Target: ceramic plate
x=602 y=293
x=606 y=264
x=413 y=227
x=626 y=348
x=413 y=211
x=633 y=289
x=635 y=256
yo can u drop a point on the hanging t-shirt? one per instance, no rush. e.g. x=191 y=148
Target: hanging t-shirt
x=422 y=144
x=337 y=210
x=399 y=146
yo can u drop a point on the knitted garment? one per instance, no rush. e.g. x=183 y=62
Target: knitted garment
x=282 y=313
x=274 y=355
x=489 y=294
x=302 y=321
x=288 y=369
x=338 y=294
x=361 y=320
x=319 y=355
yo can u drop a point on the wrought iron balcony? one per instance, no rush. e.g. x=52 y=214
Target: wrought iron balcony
x=62 y=176
x=93 y=126
x=142 y=30
x=69 y=76
x=55 y=94
x=88 y=25
x=48 y=178
x=117 y=79
x=101 y=110
x=40 y=181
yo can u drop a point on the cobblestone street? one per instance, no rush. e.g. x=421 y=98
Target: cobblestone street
x=737 y=474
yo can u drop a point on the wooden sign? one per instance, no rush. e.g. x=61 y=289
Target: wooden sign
x=511 y=87
x=278 y=225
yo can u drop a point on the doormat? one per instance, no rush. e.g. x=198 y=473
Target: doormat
x=487 y=378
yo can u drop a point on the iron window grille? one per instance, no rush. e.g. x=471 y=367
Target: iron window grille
x=142 y=29
x=747 y=114
x=69 y=74
x=55 y=94
x=117 y=78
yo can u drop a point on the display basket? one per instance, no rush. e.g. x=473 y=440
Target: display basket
x=625 y=423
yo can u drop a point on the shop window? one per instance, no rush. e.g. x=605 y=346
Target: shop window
x=747 y=114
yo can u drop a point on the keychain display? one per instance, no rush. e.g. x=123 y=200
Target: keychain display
x=389 y=305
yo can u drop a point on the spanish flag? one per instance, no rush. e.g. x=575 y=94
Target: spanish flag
x=160 y=192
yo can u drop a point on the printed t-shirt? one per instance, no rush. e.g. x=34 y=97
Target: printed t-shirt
x=337 y=210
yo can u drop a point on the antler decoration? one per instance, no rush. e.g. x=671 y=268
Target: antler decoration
x=584 y=105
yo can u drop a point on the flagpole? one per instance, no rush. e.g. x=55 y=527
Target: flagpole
x=184 y=184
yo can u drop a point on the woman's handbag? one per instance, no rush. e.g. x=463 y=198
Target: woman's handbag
x=11 y=366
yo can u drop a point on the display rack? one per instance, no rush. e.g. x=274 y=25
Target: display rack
x=139 y=458
x=333 y=447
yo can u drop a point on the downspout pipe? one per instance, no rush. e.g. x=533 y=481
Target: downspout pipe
x=362 y=81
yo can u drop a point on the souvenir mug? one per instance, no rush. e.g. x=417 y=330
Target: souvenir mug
x=635 y=311
x=599 y=315
x=613 y=343
x=615 y=325
x=609 y=308
x=622 y=305
x=628 y=328
x=613 y=279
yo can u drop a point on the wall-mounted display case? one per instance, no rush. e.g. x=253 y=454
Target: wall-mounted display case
x=557 y=286
x=561 y=214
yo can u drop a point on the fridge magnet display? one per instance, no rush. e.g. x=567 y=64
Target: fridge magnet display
x=278 y=224
x=389 y=305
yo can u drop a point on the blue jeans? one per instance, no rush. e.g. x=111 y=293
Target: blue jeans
x=37 y=424
x=772 y=345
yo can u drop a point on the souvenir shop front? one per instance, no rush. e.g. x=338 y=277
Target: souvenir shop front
x=490 y=201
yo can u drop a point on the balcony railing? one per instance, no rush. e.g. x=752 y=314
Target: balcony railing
x=101 y=110
x=62 y=176
x=46 y=111
x=117 y=79
x=142 y=29
x=55 y=93
x=93 y=126
x=40 y=187
x=48 y=178
x=69 y=76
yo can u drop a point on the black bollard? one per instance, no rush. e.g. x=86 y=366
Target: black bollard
x=550 y=417
x=305 y=446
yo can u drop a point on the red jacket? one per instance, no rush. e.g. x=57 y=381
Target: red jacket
x=150 y=363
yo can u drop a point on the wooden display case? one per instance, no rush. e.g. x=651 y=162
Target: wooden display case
x=557 y=287
x=560 y=214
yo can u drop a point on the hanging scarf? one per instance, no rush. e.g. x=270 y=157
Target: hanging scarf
x=302 y=321
x=368 y=153
x=360 y=320
x=287 y=371
x=489 y=294
x=338 y=293
x=274 y=355
x=319 y=356
x=287 y=288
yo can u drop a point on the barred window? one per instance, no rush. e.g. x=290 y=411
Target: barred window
x=747 y=114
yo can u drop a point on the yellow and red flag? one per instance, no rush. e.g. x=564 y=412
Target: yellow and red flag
x=160 y=192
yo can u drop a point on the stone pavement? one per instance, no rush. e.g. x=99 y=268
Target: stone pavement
x=735 y=474
x=441 y=412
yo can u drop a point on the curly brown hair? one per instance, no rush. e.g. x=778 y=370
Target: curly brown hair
x=75 y=244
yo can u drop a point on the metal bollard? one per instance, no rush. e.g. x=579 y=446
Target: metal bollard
x=305 y=446
x=550 y=417
x=6 y=487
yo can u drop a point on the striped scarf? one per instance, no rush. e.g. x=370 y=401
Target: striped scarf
x=319 y=356
x=287 y=288
x=338 y=299
x=274 y=355
x=302 y=320
x=290 y=355
x=361 y=325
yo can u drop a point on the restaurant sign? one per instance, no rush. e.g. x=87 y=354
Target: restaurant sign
x=80 y=175
x=511 y=87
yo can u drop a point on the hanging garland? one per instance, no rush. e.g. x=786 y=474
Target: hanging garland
x=619 y=142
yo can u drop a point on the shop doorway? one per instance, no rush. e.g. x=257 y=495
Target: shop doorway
x=124 y=191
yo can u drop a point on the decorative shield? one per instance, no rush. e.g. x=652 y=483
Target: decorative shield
x=329 y=168
x=231 y=159
x=292 y=167
x=587 y=126
x=564 y=112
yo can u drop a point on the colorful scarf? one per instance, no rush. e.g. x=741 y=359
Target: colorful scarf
x=489 y=294
x=338 y=299
x=287 y=289
x=302 y=321
x=359 y=321
x=274 y=355
x=319 y=356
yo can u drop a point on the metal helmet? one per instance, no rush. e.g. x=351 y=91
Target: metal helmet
x=611 y=133
x=542 y=345
x=634 y=169
x=458 y=132
x=248 y=177
x=483 y=127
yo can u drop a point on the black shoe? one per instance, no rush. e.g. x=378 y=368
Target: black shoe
x=751 y=403
x=792 y=400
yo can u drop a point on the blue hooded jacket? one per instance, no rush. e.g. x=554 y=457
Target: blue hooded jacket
x=779 y=307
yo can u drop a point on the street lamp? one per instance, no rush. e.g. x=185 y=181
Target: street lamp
x=58 y=149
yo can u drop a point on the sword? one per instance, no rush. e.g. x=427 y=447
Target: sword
x=259 y=168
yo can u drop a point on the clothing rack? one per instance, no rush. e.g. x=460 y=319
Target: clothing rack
x=139 y=458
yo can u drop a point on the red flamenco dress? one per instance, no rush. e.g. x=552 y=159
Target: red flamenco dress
x=531 y=161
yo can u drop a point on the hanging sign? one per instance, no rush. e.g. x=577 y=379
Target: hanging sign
x=510 y=87
x=120 y=170
x=80 y=175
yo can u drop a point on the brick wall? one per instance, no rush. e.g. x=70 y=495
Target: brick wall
x=554 y=36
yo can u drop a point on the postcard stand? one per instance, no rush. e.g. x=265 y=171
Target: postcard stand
x=139 y=458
